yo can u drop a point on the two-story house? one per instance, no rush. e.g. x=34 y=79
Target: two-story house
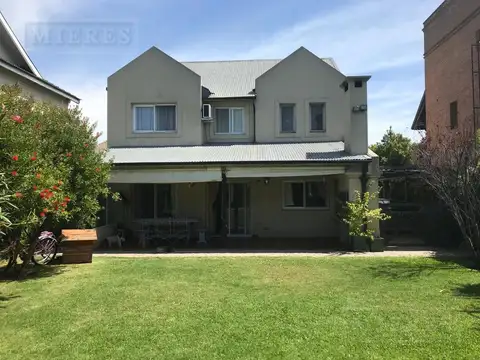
x=253 y=148
x=16 y=67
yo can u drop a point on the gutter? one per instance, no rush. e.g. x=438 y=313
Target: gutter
x=365 y=163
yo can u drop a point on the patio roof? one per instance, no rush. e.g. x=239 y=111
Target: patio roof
x=314 y=152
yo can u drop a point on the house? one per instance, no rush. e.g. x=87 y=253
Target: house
x=253 y=148
x=17 y=68
x=452 y=68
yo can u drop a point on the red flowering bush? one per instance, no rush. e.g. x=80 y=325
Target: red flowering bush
x=50 y=164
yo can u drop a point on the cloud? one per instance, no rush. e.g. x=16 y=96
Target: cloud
x=91 y=89
x=378 y=37
x=20 y=13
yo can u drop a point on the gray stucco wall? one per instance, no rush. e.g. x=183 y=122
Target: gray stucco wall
x=154 y=78
x=30 y=88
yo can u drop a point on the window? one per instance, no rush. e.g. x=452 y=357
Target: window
x=317 y=117
x=153 y=201
x=154 y=118
x=229 y=121
x=358 y=83
x=453 y=115
x=287 y=118
x=304 y=194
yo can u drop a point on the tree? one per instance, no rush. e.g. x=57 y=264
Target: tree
x=53 y=172
x=450 y=164
x=394 y=149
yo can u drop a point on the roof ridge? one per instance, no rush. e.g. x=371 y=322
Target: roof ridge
x=217 y=61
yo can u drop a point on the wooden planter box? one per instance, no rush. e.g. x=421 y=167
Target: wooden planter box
x=78 y=245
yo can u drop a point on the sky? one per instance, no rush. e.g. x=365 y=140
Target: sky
x=381 y=38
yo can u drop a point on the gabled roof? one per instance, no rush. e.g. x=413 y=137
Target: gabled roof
x=314 y=152
x=18 y=46
x=420 y=120
x=234 y=78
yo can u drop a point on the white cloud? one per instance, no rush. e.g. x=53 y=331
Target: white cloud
x=370 y=36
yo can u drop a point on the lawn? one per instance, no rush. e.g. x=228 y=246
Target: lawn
x=244 y=308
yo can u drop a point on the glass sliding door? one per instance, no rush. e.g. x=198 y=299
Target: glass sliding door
x=238 y=210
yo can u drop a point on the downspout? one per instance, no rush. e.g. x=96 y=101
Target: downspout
x=254 y=122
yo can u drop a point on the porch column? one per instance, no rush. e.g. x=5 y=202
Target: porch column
x=354 y=184
x=372 y=188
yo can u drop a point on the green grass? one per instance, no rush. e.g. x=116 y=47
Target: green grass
x=244 y=308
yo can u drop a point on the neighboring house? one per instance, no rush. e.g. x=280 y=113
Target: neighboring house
x=452 y=68
x=17 y=68
x=264 y=148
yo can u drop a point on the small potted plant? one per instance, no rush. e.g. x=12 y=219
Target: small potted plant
x=357 y=216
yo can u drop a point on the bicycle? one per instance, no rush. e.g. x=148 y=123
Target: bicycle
x=45 y=249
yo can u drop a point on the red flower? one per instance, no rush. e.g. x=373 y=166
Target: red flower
x=97 y=169
x=15 y=157
x=64 y=204
x=55 y=187
x=49 y=195
x=35 y=187
x=17 y=119
x=14 y=173
x=45 y=210
x=33 y=158
x=42 y=214
x=38 y=176
x=69 y=154
x=86 y=145
x=42 y=195
x=18 y=195
x=66 y=199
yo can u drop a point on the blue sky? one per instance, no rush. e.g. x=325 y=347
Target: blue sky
x=382 y=38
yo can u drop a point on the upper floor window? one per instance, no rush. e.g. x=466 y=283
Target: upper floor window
x=229 y=121
x=305 y=194
x=317 y=116
x=453 y=115
x=154 y=118
x=287 y=118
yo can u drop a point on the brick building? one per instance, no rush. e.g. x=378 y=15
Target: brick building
x=452 y=64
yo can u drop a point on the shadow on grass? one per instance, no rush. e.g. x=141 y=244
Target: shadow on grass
x=403 y=270
x=471 y=291
x=5 y=298
x=32 y=273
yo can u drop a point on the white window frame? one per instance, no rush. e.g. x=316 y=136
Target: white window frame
x=294 y=117
x=304 y=207
x=154 y=119
x=324 y=116
x=230 y=121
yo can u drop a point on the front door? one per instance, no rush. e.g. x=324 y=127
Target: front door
x=238 y=210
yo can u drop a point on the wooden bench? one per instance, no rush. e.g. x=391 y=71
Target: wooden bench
x=78 y=245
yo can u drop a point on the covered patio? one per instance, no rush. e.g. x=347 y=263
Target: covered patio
x=272 y=200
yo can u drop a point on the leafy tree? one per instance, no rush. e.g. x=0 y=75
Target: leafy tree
x=394 y=149
x=53 y=172
x=450 y=164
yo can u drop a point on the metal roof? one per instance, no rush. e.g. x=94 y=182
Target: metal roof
x=235 y=78
x=320 y=152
